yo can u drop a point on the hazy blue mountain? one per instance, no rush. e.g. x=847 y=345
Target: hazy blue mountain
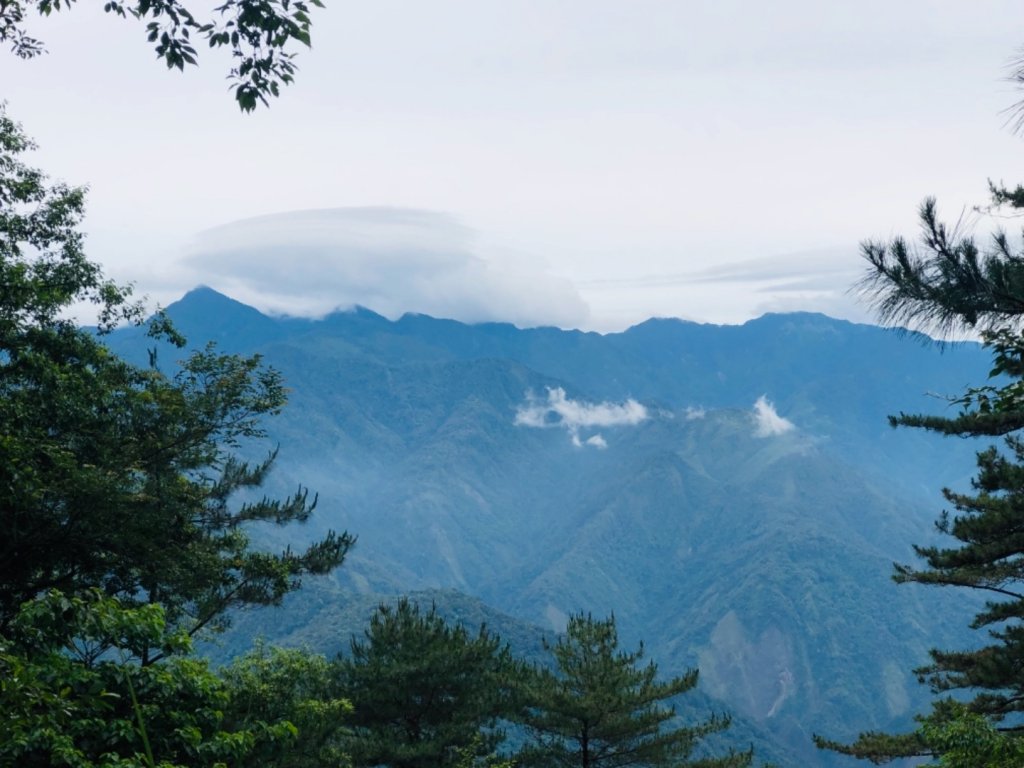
x=722 y=538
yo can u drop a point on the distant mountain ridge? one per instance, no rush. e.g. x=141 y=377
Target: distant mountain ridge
x=509 y=464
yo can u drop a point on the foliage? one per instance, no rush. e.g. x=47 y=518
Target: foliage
x=259 y=33
x=69 y=695
x=270 y=685
x=424 y=692
x=965 y=739
x=950 y=283
x=601 y=710
x=955 y=735
x=112 y=475
x=469 y=757
x=879 y=747
x=954 y=285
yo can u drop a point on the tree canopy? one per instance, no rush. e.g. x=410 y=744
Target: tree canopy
x=269 y=686
x=260 y=34
x=424 y=694
x=600 y=709
x=948 y=282
x=67 y=697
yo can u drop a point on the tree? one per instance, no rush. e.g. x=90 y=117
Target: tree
x=965 y=739
x=424 y=694
x=951 y=284
x=121 y=534
x=600 y=709
x=113 y=476
x=259 y=34
x=269 y=686
x=70 y=694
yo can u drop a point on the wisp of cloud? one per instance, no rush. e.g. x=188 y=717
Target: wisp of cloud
x=767 y=419
x=558 y=410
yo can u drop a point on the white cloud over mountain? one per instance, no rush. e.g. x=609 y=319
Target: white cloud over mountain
x=558 y=410
x=768 y=421
x=391 y=260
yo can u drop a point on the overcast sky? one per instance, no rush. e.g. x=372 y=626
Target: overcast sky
x=586 y=163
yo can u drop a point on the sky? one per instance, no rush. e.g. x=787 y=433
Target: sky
x=581 y=164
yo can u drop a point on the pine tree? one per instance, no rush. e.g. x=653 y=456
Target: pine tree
x=423 y=692
x=601 y=709
x=951 y=284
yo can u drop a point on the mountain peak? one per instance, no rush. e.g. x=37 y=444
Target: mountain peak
x=204 y=298
x=234 y=325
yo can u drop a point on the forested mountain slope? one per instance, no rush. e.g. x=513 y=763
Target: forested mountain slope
x=733 y=493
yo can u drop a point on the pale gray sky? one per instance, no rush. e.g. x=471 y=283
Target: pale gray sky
x=583 y=163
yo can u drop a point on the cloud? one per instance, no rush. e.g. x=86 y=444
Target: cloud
x=769 y=423
x=731 y=292
x=574 y=415
x=693 y=414
x=391 y=260
x=835 y=268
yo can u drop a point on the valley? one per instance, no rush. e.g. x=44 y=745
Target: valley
x=732 y=494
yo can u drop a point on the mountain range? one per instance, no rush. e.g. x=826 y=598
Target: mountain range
x=733 y=494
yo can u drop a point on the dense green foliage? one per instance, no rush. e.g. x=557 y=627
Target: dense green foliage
x=73 y=693
x=270 y=685
x=258 y=33
x=954 y=284
x=600 y=709
x=424 y=692
x=965 y=739
x=70 y=696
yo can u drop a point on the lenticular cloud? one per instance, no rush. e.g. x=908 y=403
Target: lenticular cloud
x=558 y=410
x=391 y=260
